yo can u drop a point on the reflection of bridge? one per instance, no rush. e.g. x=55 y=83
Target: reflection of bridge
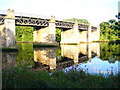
x=44 y=29
x=71 y=54
x=45 y=58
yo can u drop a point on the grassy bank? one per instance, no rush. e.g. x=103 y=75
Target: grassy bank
x=23 y=78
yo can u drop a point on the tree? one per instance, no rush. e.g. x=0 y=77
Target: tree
x=24 y=33
x=109 y=30
x=58 y=34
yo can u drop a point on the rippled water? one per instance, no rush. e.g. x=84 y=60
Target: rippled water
x=93 y=58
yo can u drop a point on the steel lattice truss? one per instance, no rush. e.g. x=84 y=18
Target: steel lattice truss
x=83 y=27
x=61 y=24
x=30 y=21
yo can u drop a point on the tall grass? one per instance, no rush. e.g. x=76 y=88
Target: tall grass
x=26 y=78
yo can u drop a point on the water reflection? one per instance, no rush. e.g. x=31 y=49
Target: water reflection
x=75 y=52
x=96 y=66
x=9 y=59
x=93 y=58
x=71 y=54
x=45 y=56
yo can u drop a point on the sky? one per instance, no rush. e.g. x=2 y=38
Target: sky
x=95 y=11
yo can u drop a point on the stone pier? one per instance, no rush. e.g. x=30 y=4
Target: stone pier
x=95 y=35
x=70 y=36
x=89 y=34
x=83 y=36
x=45 y=35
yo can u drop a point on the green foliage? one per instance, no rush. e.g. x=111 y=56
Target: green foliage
x=58 y=35
x=84 y=21
x=24 y=33
x=109 y=30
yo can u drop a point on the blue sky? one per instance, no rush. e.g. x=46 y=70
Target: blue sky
x=95 y=11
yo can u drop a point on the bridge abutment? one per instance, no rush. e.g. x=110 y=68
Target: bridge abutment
x=7 y=30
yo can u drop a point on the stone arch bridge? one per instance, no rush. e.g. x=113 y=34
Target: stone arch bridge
x=44 y=30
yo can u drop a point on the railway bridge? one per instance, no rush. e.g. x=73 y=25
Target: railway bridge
x=45 y=30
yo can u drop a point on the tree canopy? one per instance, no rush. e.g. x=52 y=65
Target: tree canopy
x=84 y=21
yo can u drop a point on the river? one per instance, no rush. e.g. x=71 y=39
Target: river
x=93 y=58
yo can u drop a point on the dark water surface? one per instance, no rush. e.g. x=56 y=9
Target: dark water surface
x=94 y=58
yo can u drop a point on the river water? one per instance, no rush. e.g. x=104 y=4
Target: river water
x=93 y=58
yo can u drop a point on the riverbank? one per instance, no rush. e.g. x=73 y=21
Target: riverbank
x=55 y=44
x=15 y=48
x=27 y=78
x=10 y=49
x=45 y=44
x=116 y=41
